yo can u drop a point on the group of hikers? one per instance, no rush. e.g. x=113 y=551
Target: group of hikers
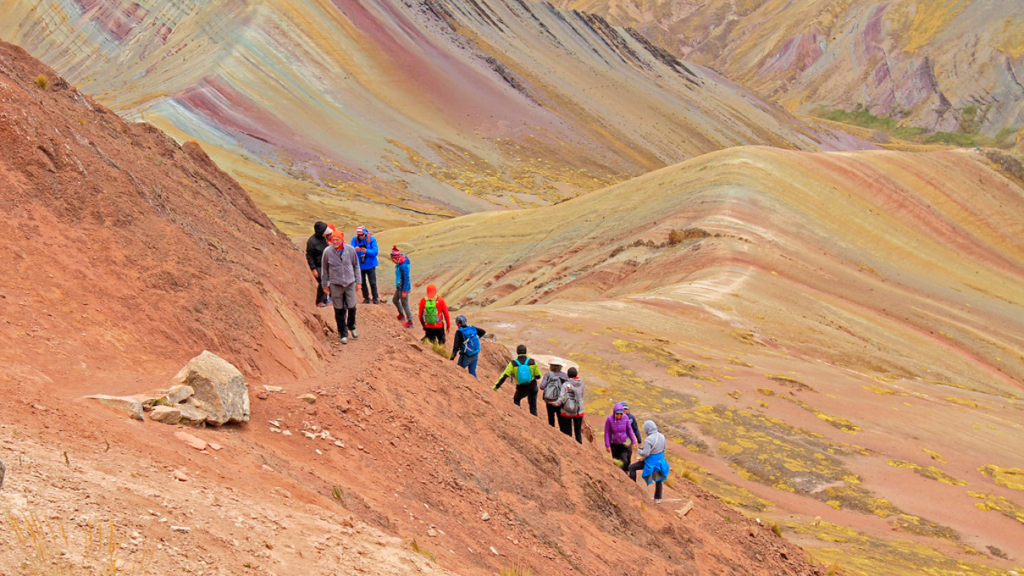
x=337 y=268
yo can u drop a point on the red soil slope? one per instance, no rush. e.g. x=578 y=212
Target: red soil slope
x=121 y=248
x=154 y=256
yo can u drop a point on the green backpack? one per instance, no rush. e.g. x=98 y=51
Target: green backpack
x=430 y=315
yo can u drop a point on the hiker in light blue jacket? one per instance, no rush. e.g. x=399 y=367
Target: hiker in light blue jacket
x=653 y=463
x=366 y=248
x=403 y=285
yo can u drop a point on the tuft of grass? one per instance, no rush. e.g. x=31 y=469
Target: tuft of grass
x=515 y=570
x=776 y=529
x=46 y=544
x=338 y=494
x=438 y=348
x=422 y=551
x=42 y=82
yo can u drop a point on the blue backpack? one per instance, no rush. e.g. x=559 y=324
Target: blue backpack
x=470 y=341
x=523 y=373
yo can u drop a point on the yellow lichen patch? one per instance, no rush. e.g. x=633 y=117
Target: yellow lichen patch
x=1012 y=478
x=880 y=390
x=962 y=401
x=1012 y=42
x=766 y=391
x=995 y=503
x=660 y=356
x=729 y=493
x=737 y=362
x=837 y=421
x=928 y=472
x=934 y=455
x=863 y=555
x=789 y=382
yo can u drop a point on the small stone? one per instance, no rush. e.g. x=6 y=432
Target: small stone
x=179 y=476
x=485 y=516
x=685 y=509
x=263 y=395
x=191 y=414
x=181 y=529
x=165 y=415
x=273 y=388
x=191 y=440
x=432 y=533
x=286 y=433
x=816 y=521
x=176 y=395
x=311 y=398
x=216 y=447
x=130 y=406
x=495 y=551
x=339 y=444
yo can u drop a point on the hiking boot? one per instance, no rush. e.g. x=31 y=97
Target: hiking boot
x=375 y=301
x=407 y=324
x=401 y=317
x=353 y=333
x=322 y=304
x=328 y=302
x=367 y=301
x=657 y=500
x=344 y=339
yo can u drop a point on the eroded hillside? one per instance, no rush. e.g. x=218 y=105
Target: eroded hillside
x=828 y=335
x=396 y=113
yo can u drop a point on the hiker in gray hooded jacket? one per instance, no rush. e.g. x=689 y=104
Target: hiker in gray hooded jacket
x=340 y=278
x=551 y=389
x=653 y=462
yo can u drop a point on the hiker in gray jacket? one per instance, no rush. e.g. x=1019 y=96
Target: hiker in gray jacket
x=339 y=278
x=570 y=412
x=551 y=389
x=653 y=463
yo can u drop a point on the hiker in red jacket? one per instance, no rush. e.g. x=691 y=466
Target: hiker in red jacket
x=434 y=316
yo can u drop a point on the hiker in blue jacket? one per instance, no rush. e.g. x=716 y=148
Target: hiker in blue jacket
x=403 y=285
x=653 y=463
x=525 y=372
x=366 y=249
x=467 y=344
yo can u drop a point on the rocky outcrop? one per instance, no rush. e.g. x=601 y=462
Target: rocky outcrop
x=220 y=389
x=165 y=414
x=130 y=406
x=2 y=472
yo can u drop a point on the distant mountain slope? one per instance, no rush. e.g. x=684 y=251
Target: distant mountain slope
x=399 y=112
x=943 y=65
x=98 y=212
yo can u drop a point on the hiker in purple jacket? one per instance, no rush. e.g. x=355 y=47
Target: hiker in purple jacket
x=617 y=430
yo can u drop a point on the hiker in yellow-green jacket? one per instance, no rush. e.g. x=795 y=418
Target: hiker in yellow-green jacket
x=525 y=372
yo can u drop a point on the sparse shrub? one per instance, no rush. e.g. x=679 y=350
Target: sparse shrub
x=439 y=349
x=833 y=569
x=777 y=529
x=689 y=476
x=515 y=570
x=422 y=551
x=338 y=494
x=43 y=82
x=680 y=236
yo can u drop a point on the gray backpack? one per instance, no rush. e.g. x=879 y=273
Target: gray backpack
x=553 y=390
x=570 y=403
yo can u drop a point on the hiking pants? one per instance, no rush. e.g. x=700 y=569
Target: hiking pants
x=321 y=298
x=402 y=304
x=552 y=415
x=571 y=424
x=624 y=453
x=528 y=391
x=469 y=362
x=344 y=300
x=639 y=465
x=435 y=334
x=370 y=277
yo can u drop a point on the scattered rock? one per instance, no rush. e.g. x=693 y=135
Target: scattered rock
x=273 y=388
x=179 y=476
x=191 y=440
x=130 y=406
x=2 y=471
x=180 y=529
x=685 y=509
x=176 y=395
x=485 y=516
x=495 y=551
x=215 y=447
x=432 y=533
x=286 y=433
x=165 y=414
x=339 y=444
x=311 y=398
x=219 y=387
x=191 y=415
x=263 y=395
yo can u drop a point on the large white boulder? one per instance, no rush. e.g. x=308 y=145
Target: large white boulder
x=220 y=389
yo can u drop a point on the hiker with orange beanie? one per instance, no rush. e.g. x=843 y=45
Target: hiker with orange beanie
x=434 y=316
x=340 y=279
x=403 y=285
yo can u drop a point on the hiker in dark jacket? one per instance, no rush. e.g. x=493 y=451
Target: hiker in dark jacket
x=315 y=247
x=366 y=249
x=617 y=431
x=525 y=372
x=570 y=412
x=551 y=389
x=652 y=460
x=632 y=421
x=434 y=316
x=340 y=279
x=403 y=285
x=467 y=344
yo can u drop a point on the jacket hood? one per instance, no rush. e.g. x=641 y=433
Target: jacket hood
x=650 y=427
x=319 y=227
x=618 y=406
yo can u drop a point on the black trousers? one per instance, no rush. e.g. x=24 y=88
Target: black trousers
x=552 y=415
x=370 y=277
x=623 y=452
x=639 y=465
x=528 y=391
x=570 y=425
x=435 y=334
x=321 y=298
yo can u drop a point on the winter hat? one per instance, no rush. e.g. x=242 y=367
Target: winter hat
x=330 y=230
x=625 y=405
x=396 y=254
x=431 y=291
x=361 y=230
x=460 y=320
x=521 y=349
